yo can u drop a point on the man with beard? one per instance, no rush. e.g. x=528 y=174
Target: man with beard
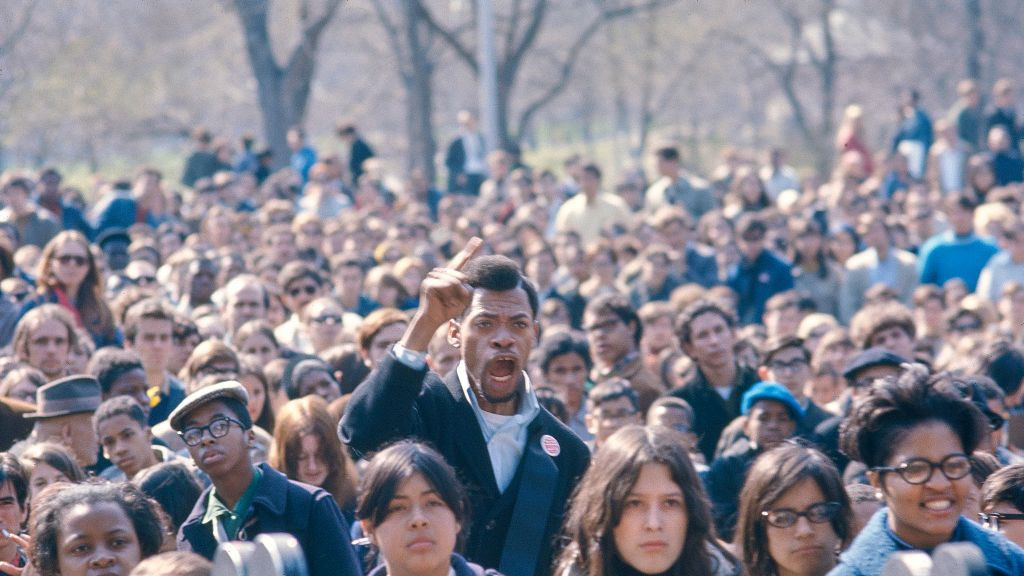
x=519 y=463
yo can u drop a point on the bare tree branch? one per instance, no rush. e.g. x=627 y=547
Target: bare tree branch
x=515 y=57
x=19 y=29
x=572 y=55
x=391 y=29
x=464 y=53
x=316 y=27
x=513 y=28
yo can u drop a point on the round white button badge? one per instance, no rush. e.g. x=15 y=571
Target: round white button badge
x=550 y=445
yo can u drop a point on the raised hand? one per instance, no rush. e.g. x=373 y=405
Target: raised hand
x=24 y=542
x=444 y=294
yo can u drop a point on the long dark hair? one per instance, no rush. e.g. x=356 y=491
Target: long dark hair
x=305 y=416
x=806 y=227
x=89 y=302
x=599 y=500
x=399 y=462
x=773 y=474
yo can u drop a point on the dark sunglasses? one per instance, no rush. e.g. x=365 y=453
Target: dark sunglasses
x=66 y=259
x=308 y=289
x=143 y=280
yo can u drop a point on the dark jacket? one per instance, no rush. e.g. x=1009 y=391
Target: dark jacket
x=396 y=401
x=459 y=565
x=724 y=481
x=711 y=413
x=758 y=281
x=359 y=153
x=805 y=428
x=876 y=543
x=826 y=438
x=14 y=427
x=281 y=505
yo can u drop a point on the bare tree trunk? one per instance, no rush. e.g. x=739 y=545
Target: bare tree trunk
x=283 y=91
x=422 y=144
x=646 y=120
x=521 y=36
x=975 y=39
x=815 y=137
x=826 y=65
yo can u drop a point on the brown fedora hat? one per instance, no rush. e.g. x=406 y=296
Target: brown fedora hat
x=69 y=395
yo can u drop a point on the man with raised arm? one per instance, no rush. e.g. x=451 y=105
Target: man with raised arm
x=518 y=462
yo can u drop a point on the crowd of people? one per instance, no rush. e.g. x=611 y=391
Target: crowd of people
x=524 y=372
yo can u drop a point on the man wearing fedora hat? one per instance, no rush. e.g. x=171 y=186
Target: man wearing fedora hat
x=246 y=500
x=64 y=410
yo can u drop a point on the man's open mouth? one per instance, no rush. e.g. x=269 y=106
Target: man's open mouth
x=501 y=369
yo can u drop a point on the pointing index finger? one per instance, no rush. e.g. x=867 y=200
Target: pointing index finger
x=466 y=254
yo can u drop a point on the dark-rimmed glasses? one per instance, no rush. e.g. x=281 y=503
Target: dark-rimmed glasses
x=815 y=513
x=920 y=470
x=218 y=428
x=991 y=520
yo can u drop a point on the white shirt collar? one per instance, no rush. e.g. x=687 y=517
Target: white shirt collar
x=529 y=407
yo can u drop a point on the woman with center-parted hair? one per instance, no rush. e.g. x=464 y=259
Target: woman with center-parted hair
x=640 y=509
x=794 y=514
x=914 y=435
x=413 y=509
x=306 y=448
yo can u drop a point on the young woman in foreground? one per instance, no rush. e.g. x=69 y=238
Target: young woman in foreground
x=640 y=509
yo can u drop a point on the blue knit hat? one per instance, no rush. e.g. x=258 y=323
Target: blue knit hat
x=771 y=391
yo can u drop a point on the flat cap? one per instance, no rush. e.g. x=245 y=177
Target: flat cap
x=870 y=358
x=227 y=390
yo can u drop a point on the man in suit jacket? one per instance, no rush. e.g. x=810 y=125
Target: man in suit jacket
x=466 y=157
x=879 y=263
x=519 y=464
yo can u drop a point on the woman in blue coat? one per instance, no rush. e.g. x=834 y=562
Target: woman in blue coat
x=915 y=435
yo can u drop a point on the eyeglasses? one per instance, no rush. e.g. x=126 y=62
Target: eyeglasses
x=218 y=428
x=603 y=327
x=920 y=470
x=681 y=428
x=75 y=259
x=143 y=280
x=863 y=382
x=991 y=520
x=815 y=513
x=326 y=320
x=309 y=289
x=616 y=417
x=967 y=327
x=791 y=366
